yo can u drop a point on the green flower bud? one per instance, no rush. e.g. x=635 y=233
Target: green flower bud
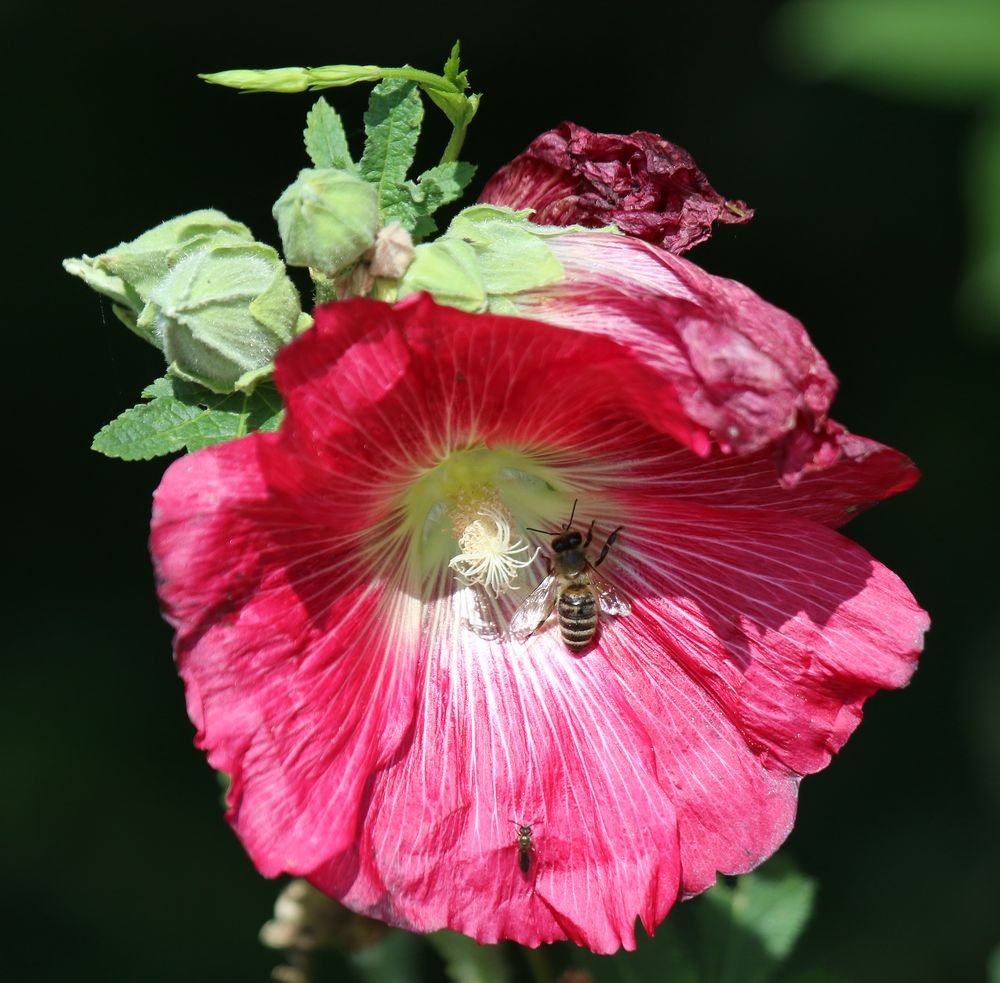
x=131 y=270
x=448 y=269
x=143 y=262
x=222 y=311
x=256 y=80
x=327 y=219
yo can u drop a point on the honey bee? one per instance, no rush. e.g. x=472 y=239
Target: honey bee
x=525 y=848
x=574 y=586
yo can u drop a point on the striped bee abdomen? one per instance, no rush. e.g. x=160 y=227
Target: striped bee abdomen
x=577 y=614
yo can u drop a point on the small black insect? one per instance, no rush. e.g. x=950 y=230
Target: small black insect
x=525 y=848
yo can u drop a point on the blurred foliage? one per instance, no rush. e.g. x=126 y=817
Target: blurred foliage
x=932 y=50
x=742 y=930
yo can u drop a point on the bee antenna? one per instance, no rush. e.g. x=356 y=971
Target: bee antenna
x=568 y=524
x=544 y=532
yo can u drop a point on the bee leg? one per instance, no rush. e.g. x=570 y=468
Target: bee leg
x=590 y=534
x=610 y=542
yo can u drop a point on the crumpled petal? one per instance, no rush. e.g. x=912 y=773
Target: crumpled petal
x=862 y=473
x=648 y=187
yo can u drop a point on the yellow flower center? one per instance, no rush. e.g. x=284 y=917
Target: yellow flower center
x=462 y=516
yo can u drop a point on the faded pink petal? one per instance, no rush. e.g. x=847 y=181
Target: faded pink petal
x=646 y=186
x=742 y=369
x=382 y=745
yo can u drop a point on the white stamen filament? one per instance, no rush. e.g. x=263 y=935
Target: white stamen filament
x=488 y=556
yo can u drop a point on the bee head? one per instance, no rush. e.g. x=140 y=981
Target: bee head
x=566 y=541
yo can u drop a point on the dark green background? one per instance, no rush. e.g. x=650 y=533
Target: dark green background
x=116 y=861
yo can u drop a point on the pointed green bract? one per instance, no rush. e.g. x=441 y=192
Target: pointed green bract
x=448 y=269
x=458 y=107
x=145 y=261
x=325 y=139
x=459 y=79
x=184 y=416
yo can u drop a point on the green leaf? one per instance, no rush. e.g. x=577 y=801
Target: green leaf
x=661 y=958
x=435 y=188
x=326 y=142
x=442 y=184
x=466 y=961
x=182 y=415
x=392 y=125
x=745 y=931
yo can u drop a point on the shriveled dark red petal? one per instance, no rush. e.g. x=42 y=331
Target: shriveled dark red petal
x=646 y=186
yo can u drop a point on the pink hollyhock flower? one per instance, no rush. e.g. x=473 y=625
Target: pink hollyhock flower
x=346 y=665
x=648 y=187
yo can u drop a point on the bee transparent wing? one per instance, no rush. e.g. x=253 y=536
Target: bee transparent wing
x=610 y=599
x=534 y=610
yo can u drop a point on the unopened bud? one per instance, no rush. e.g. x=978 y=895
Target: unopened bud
x=261 y=80
x=327 y=219
x=144 y=262
x=128 y=273
x=223 y=311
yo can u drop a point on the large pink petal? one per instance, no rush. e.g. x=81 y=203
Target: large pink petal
x=743 y=369
x=280 y=628
x=527 y=734
x=785 y=627
x=372 y=384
